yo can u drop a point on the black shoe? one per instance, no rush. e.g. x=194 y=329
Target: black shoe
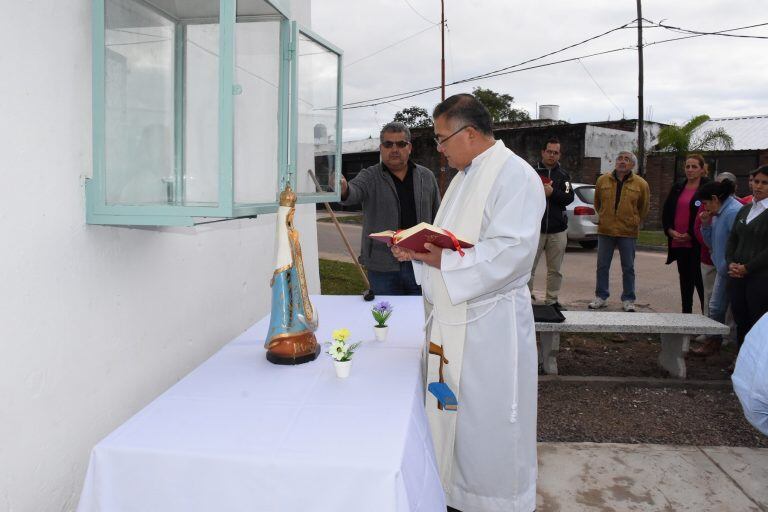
x=558 y=306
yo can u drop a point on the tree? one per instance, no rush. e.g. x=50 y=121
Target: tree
x=500 y=105
x=414 y=117
x=683 y=139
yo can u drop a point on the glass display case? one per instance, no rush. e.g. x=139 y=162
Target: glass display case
x=205 y=109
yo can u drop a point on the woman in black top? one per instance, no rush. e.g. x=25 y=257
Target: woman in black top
x=747 y=258
x=678 y=218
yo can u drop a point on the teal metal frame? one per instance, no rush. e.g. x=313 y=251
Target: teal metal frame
x=176 y=214
x=319 y=197
x=283 y=143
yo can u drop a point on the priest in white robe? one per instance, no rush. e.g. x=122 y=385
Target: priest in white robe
x=479 y=313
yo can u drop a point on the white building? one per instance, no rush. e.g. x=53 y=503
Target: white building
x=96 y=320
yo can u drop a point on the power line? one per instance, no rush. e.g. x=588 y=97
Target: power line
x=589 y=39
x=601 y=89
x=697 y=35
x=510 y=69
x=490 y=73
x=420 y=15
x=723 y=33
x=403 y=96
x=391 y=45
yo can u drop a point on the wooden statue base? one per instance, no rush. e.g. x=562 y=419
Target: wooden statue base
x=298 y=349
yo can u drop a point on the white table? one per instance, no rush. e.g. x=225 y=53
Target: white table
x=241 y=434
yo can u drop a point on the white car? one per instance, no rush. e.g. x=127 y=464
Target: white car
x=582 y=218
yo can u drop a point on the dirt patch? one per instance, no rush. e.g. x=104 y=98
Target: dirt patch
x=685 y=413
x=615 y=413
x=632 y=355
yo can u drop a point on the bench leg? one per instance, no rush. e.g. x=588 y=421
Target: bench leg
x=549 y=345
x=673 y=350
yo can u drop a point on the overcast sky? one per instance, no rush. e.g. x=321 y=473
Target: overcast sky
x=714 y=75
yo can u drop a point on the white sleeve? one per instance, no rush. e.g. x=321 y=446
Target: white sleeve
x=507 y=246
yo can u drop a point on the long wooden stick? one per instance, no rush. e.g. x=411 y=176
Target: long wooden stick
x=341 y=232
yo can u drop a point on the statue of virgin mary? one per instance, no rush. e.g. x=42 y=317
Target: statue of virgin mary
x=291 y=338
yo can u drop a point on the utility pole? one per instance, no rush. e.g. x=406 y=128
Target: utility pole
x=442 y=50
x=442 y=181
x=640 y=113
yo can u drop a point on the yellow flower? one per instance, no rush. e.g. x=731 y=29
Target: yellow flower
x=340 y=334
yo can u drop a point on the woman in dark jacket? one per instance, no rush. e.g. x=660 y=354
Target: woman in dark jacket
x=747 y=258
x=678 y=218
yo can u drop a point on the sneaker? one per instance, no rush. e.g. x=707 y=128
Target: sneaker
x=597 y=303
x=628 y=306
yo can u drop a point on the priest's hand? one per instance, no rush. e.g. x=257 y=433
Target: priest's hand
x=402 y=254
x=431 y=258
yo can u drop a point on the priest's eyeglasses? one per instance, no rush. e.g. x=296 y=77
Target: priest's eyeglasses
x=442 y=142
x=400 y=143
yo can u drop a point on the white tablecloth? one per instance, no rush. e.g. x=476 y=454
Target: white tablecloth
x=242 y=434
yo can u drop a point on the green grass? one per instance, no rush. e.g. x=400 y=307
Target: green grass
x=656 y=238
x=340 y=278
x=344 y=219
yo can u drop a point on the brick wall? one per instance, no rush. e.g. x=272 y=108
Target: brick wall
x=660 y=175
x=525 y=142
x=590 y=170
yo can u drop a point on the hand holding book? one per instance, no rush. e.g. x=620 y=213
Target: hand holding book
x=414 y=238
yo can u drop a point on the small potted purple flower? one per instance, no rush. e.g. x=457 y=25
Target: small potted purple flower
x=381 y=312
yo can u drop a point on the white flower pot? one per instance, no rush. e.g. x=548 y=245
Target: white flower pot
x=380 y=332
x=342 y=368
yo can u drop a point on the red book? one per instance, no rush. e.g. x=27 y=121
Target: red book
x=545 y=180
x=414 y=238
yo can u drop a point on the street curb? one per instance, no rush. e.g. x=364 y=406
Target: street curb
x=651 y=248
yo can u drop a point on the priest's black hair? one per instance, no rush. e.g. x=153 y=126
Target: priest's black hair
x=468 y=110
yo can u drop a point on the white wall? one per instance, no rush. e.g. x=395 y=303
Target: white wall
x=606 y=143
x=95 y=321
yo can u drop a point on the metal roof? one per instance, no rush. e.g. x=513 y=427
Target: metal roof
x=370 y=145
x=748 y=132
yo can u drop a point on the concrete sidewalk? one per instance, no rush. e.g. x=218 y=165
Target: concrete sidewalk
x=644 y=477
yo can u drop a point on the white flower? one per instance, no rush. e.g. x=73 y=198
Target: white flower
x=338 y=350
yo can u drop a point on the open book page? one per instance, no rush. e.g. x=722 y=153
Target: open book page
x=383 y=236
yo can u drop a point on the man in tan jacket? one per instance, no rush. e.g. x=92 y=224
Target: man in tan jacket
x=621 y=202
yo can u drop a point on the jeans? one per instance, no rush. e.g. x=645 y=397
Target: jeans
x=718 y=301
x=605 y=247
x=708 y=275
x=401 y=282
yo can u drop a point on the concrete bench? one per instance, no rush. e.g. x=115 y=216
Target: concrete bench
x=675 y=329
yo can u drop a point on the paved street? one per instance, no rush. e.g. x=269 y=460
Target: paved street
x=657 y=286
